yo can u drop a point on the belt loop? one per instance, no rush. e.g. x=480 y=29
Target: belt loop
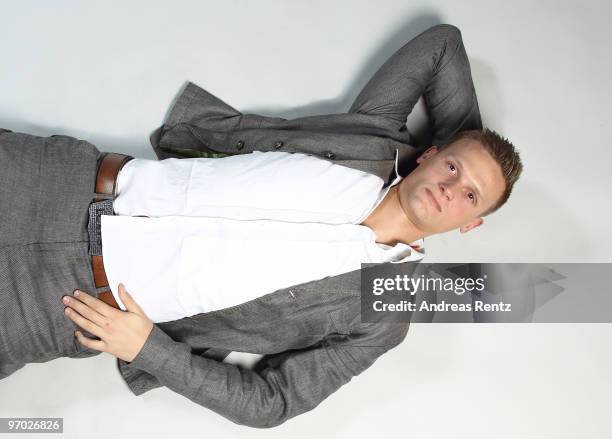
x=101 y=196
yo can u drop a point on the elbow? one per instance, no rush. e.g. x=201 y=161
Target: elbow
x=262 y=423
x=262 y=420
x=265 y=414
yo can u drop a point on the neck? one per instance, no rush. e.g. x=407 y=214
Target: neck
x=389 y=222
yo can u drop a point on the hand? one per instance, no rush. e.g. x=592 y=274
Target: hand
x=121 y=333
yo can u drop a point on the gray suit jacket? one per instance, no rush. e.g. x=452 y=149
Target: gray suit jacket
x=311 y=335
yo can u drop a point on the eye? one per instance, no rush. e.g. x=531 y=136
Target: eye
x=452 y=168
x=472 y=197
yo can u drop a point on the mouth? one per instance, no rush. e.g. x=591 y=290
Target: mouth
x=433 y=200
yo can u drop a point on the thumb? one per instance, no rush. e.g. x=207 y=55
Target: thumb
x=129 y=301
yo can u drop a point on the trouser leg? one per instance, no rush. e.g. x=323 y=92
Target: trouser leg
x=46 y=184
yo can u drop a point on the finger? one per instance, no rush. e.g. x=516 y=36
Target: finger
x=95 y=303
x=84 y=310
x=83 y=322
x=98 y=345
x=128 y=300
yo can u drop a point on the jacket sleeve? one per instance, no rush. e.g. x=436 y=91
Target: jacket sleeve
x=295 y=383
x=433 y=64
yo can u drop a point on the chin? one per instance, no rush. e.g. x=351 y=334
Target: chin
x=419 y=217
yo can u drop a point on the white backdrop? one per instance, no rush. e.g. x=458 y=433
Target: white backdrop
x=107 y=73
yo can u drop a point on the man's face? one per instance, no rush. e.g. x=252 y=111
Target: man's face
x=451 y=188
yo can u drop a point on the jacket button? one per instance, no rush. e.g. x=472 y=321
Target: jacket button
x=330 y=155
x=240 y=144
x=278 y=144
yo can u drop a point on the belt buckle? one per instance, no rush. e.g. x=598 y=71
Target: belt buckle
x=94 y=226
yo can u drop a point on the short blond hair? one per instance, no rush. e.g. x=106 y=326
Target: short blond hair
x=503 y=152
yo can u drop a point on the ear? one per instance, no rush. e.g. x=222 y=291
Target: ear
x=433 y=149
x=476 y=222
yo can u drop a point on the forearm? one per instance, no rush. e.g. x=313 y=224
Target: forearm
x=264 y=399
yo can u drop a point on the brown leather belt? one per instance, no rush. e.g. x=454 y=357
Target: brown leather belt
x=106 y=179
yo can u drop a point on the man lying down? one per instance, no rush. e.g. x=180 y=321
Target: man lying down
x=170 y=265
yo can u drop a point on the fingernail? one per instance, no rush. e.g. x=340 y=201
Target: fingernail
x=65 y=299
x=76 y=293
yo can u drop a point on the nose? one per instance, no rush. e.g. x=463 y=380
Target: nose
x=446 y=191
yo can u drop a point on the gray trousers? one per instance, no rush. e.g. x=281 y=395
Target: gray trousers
x=46 y=185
